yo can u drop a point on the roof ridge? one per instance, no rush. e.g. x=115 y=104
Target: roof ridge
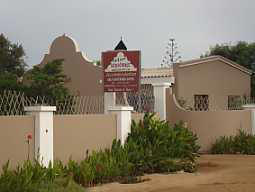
x=211 y=58
x=200 y=59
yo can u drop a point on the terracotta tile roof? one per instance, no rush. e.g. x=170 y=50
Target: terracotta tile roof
x=156 y=72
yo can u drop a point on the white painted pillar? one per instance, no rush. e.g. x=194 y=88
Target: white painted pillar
x=251 y=107
x=43 y=132
x=123 y=121
x=159 y=91
x=109 y=100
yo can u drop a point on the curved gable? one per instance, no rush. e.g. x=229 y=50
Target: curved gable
x=86 y=78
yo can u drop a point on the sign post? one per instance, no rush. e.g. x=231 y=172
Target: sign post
x=122 y=74
x=121 y=71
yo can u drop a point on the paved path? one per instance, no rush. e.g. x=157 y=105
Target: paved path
x=216 y=173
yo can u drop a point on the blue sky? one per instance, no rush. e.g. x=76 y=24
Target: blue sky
x=97 y=25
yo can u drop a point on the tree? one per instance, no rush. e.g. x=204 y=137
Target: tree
x=48 y=80
x=12 y=65
x=11 y=58
x=9 y=81
x=172 y=54
x=242 y=53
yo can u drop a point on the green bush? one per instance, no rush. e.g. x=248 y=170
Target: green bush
x=61 y=185
x=102 y=166
x=152 y=147
x=32 y=177
x=242 y=143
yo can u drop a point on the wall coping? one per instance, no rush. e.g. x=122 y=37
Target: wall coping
x=248 y=106
x=121 y=108
x=40 y=108
x=161 y=84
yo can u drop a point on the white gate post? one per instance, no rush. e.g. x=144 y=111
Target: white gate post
x=159 y=91
x=43 y=132
x=251 y=107
x=123 y=121
x=109 y=100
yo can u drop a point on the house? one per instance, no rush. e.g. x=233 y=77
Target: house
x=211 y=83
x=201 y=84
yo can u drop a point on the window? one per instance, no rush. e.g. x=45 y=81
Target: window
x=201 y=102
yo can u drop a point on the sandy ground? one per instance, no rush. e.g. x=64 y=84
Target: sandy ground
x=221 y=173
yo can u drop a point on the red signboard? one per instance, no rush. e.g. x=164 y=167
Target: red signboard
x=121 y=71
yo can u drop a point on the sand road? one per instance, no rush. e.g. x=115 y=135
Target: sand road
x=216 y=173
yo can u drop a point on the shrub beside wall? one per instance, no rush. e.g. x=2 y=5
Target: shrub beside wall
x=152 y=147
x=242 y=143
x=32 y=177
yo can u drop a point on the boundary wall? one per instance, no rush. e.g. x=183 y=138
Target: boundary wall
x=208 y=125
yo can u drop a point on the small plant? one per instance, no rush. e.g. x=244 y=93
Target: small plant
x=62 y=185
x=242 y=143
x=32 y=177
x=28 y=138
x=103 y=166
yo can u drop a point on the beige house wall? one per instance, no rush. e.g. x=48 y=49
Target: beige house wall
x=75 y=134
x=85 y=77
x=215 y=78
x=209 y=125
x=13 y=135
